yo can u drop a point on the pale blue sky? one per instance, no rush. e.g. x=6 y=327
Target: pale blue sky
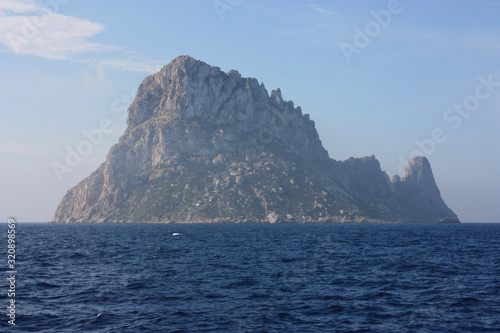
x=65 y=65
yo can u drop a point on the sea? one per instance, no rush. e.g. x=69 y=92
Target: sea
x=253 y=278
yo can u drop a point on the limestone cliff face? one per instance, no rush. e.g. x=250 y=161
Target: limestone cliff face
x=207 y=146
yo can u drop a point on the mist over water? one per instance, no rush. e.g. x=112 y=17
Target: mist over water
x=256 y=278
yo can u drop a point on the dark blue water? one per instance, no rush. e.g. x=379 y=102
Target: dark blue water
x=255 y=278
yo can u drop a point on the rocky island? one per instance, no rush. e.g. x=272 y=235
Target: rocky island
x=203 y=145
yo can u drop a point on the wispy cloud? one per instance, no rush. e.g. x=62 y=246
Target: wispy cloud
x=28 y=28
x=146 y=66
x=321 y=10
x=17 y=6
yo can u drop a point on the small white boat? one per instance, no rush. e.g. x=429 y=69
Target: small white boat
x=176 y=234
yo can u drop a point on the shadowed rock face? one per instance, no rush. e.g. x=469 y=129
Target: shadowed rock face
x=419 y=192
x=207 y=146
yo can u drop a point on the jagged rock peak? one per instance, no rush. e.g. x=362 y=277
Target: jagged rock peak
x=192 y=86
x=190 y=89
x=186 y=61
x=419 y=170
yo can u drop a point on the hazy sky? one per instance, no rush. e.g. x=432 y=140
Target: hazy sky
x=389 y=78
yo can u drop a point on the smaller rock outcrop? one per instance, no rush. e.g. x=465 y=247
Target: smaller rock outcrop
x=419 y=193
